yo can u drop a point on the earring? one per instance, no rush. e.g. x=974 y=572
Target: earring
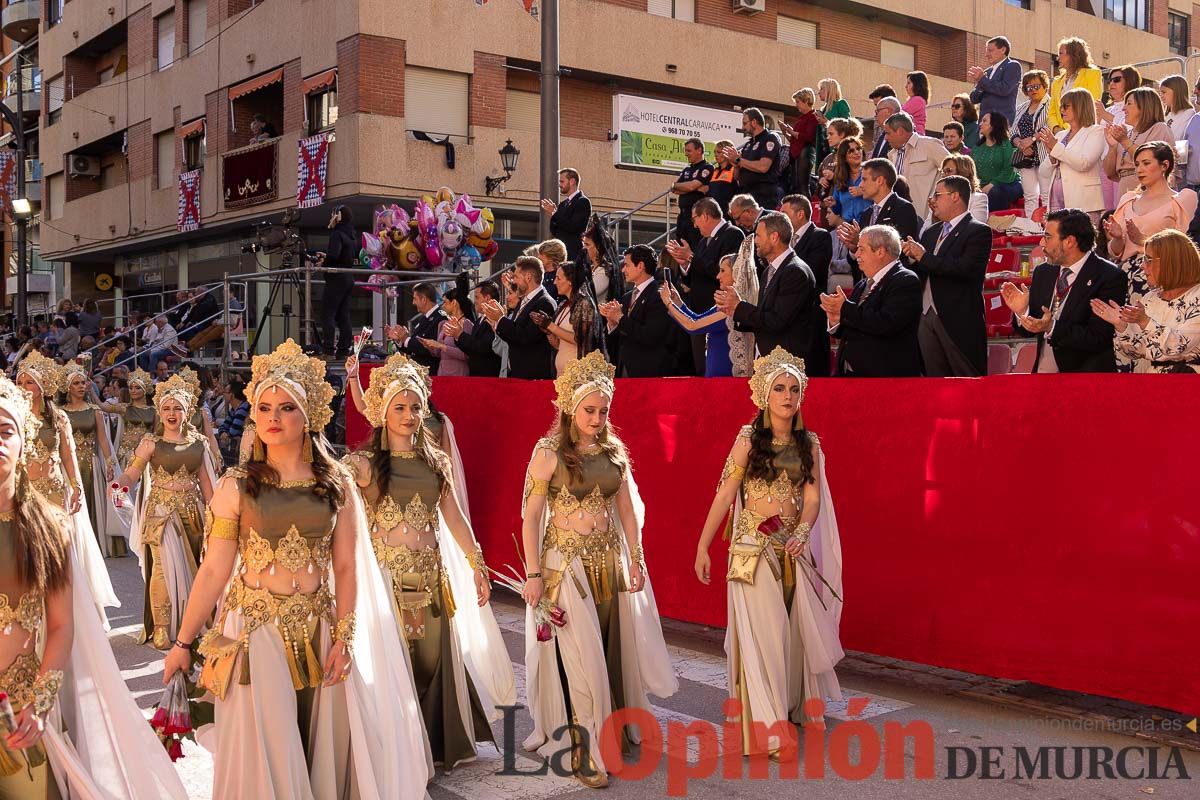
x=258 y=453
x=306 y=451
x=572 y=434
x=797 y=422
x=383 y=438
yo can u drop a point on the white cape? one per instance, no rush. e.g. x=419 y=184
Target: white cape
x=85 y=547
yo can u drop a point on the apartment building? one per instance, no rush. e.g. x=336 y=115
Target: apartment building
x=138 y=91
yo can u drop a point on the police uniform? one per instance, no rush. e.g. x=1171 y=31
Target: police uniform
x=764 y=186
x=684 y=228
x=722 y=187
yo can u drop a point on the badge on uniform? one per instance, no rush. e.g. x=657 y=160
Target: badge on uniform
x=770 y=145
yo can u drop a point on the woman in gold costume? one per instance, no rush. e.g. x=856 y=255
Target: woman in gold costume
x=95 y=455
x=53 y=472
x=167 y=531
x=78 y=732
x=583 y=552
x=785 y=591
x=136 y=418
x=428 y=553
x=304 y=707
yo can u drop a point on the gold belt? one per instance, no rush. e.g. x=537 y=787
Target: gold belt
x=52 y=486
x=747 y=525
x=184 y=501
x=27 y=614
x=17 y=680
x=295 y=616
x=426 y=563
x=85 y=440
x=599 y=553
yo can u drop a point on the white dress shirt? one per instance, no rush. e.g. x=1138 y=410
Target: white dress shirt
x=927 y=296
x=1047 y=363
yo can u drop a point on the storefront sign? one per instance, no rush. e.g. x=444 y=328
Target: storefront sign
x=650 y=133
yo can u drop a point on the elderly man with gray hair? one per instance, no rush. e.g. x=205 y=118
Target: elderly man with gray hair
x=877 y=324
x=917 y=158
x=885 y=107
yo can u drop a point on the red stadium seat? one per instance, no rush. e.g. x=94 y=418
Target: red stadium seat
x=996 y=316
x=1004 y=259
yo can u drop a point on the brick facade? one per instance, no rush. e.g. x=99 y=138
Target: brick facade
x=371 y=75
x=1158 y=17
x=488 y=104
x=140 y=151
x=293 y=97
x=140 y=34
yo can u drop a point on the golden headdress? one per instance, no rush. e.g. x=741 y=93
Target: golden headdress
x=192 y=379
x=398 y=374
x=17 y=403
x=73 y=368
x=140 y=375
x=581 y=377
x=770 y=367
x=301 y=376
x=179 y=389
x=45 y=371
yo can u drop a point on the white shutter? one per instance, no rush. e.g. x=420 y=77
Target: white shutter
x=895 y=54
x=436 y=102
x=197 y=23
x=523 y=111
x=684 y=10
x=796 y=32
x=166 y=39
x=660 y=8
x=56 y=187
x=56 y=87
x=164 y=149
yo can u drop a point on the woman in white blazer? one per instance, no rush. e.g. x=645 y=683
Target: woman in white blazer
x=1076 y=154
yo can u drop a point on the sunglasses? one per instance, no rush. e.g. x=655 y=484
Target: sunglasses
x=957 y=106
x=1033 y=87
x=1116 y=79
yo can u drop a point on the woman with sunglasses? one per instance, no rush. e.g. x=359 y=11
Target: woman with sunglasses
x=962 y=111
x=847 y=201
x=1031 y=154
x=1121 y=81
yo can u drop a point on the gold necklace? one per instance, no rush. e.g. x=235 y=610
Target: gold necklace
x=7 y=516
x=404 y=453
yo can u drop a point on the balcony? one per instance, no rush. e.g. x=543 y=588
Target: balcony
x=31 y=90
x=19 y=20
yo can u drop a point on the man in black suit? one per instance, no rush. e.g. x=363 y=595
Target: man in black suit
x=814 y=247
x=888 y=208
x=781 y=315
x=1057 y=307
x=877 y=323
x=530 y=354
x=569 y=219
x=701 y=265
x=482 y=359
x=640 y=320
x=951 y=259
x=424 y=325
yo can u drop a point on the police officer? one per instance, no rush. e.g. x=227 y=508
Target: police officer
x=757 y=161
x=691 y=186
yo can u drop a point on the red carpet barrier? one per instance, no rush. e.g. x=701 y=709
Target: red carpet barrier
x=1042 y=529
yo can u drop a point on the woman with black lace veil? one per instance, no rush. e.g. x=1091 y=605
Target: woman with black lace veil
x=575 y=330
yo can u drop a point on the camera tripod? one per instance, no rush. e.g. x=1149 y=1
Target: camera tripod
x=287 y=278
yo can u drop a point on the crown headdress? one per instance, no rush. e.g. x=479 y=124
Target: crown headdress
x=770 y=367
x=140 y=375
x=398 y=374
x=299 y=375
x=177 y=388
x=581 y=377
x=16 y=402
x=47 y=373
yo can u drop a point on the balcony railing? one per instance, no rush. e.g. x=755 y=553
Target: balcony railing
x=30 y=79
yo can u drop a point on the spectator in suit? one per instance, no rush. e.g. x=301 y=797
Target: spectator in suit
x=877 y=324
x=700 y=266
x=476 y=336
x=640 y=320
x=553 y=254
x=885 y=109
x=918 y=158
x=813 y=245
x=996 y=84
x=887 y=208
x=1057 y=306
x=530 y=354
x=691 y=186
x=951 y=260
x=425 y=324
x=782 y=314
x=569 y=219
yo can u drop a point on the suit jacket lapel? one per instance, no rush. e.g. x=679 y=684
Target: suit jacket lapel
x=1087 y=274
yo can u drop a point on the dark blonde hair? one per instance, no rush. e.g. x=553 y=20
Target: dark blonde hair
x=964 y=166
x=1082 y=103
x=1149 y=104
x=40 y=549
x=553 y=249
x=1080 y=53
x=1179 y=92
x=1178 y=259
x=610 y=444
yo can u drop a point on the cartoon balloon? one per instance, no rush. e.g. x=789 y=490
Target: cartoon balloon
x=467 y=257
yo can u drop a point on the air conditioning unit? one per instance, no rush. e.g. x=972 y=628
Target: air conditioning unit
x=85 y=166
x=749 y=6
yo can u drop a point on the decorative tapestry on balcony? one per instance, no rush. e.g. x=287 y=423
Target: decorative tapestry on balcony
x=250 y=176
x=189 y=201
x=312 y=169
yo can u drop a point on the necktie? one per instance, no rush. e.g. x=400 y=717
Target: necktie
x=867 y=291
x=900 y=161
x=1062 y=287
x=942 y=236
x=875 y=211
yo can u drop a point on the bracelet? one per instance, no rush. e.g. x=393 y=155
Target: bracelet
x=637 y=556
x=181 y=645
x=476 y=560
x=344 y=631
x=531 y=575
x=803 y=532
x=136 y=464
x=45 y=690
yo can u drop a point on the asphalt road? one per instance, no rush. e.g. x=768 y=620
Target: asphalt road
x=954 y=724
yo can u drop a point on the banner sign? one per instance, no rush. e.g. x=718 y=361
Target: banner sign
x=650 y=133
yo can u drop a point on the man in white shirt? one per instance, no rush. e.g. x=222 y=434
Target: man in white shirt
x=917 y=158
x=157 y=343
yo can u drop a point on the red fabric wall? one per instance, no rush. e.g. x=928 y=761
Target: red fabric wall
x=1041 y=529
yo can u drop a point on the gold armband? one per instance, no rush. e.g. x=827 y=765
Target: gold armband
x=540 y=488
x=137 y=464
x=222 y=528
x=803 y=532
x=638 y=556
x=45 y=690
x=344 y=632
x=476 y=560
x=732 y=470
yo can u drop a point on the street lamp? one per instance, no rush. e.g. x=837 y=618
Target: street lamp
x=22 y=208
x=508 y=160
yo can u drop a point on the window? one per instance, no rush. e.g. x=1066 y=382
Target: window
x=796 y=32
x=684 y=10
x=1177 y=33
x=322 y=110
x=193 y=145
x=895 y=54
x=54 y=12
x=55 y=187
x=1127 y=12
x=165 y=26
x=436 y=102
x=523 y=111
x=164 y=158
x=1025 y=4
x=197 y=20
x=55 y=95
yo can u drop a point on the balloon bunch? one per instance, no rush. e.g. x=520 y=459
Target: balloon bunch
x=443 y=233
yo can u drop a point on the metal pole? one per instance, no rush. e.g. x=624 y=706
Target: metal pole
x=306 y=317
x=22 y=222
x=549 y=109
